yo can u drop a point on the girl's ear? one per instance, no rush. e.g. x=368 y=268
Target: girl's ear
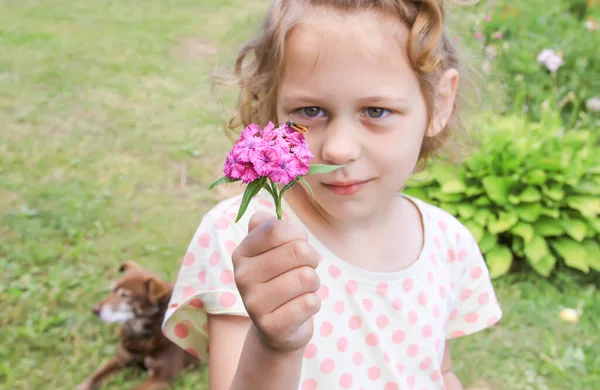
x=443 y=103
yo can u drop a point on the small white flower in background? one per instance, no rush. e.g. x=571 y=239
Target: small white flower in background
x=491 y=52
x=550 y=59
x=593 y=104
x=486 y=67
x=590 y=25
x=569 y=315
x=506 y=46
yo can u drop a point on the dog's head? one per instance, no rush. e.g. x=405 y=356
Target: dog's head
x=137 y=293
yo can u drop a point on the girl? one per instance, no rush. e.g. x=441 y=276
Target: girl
x=359 y=286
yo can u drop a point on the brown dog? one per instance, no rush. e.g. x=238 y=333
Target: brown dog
x=138 y=300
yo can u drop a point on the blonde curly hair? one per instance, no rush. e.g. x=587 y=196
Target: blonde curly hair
x=431 y=51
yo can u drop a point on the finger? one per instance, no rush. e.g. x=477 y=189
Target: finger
x=284 y=258
x=270 y=234
x=267 y=297
x=287 y=319
x=258 y=219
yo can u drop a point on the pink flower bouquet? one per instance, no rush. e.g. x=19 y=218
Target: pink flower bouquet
x=263 y=158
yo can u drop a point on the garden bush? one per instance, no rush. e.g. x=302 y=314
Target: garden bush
x=540 y=59
x=529 y=193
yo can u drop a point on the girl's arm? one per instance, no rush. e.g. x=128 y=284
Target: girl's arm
x=450 y=379
x=238 y=360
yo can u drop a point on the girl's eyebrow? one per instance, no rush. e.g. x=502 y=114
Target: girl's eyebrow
x=300 y=98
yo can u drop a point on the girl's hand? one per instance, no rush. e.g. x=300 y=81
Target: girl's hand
x=274 y=269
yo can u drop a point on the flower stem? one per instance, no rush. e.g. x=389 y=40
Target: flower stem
x=277 y=200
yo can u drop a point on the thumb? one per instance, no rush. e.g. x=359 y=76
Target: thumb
x=258 y=219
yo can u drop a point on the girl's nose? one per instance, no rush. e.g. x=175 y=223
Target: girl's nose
x=341 y=144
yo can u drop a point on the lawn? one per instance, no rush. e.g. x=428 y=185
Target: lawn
x=109 y=137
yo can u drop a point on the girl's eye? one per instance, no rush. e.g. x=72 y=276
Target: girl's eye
x=311 y=112
x=376 y=112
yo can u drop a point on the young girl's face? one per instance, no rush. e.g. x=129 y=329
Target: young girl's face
x=347 y=78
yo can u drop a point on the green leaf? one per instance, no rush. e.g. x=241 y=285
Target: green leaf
x=497 y=188
x=475 y=229
x=553 y=213
x=474 y=190
x=548 y=227
x=535 y=177
x=530 y=194
x=595 y=224
x=269 y=189
x=222 y=180
x=465 y=210
x=417 y=192
x=322 y=168
x=445 y=172
x=554 y=192
x=573 y=253
x=587 y=205
x=523 y=230
x=488 y=242
x=303 y=180
x=288 y=186
x=514 y=199
x=483 y=216
x=499 y=260
x=455 y=186
x=536 y=249
x=482 y=201
x=446 y=198
x=593 y=253
x=588 y=187
x=504 y=222
x=575 y=228
x=251 y=190
x=529 y=212
x=545 y=265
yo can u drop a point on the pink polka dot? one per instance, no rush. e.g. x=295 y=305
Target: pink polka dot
x=351 y=287
x=423 y=298
x=492 y=320
x=326 y=328
x=215 y=257
x=227 y=277
x=457 y=238
x=232 y=216
x=338 y=307
x=412 y=350
x=372 y=339
x=320 y=257
x=436 y=311
x=355 y=322
x=438 y=344
x=435 y=376
x=367 y=304
x=327 y=366
x=471 y=318
x=427 y=331
x=188 y=292
x=373 y=373
x=398 y=336
x=197 y=303
x=228 y=299
x=443 y=225
x=391 y=386
x=410 y=382
x=476 y=272
x=323 y=292
x=400 y=368
x=309 y=384
x=204 y=240
x=413 y=317
x=433 y=260
x=357 y=358
x=430 y=277
x=397 y=304
x=462 y=255
x=382 y=321
x=202 y=276
x=425 y=363
x=438 y=242
x=181 y=330
x=407 y=285
x=451 y=255
x=222 y=223
x=483 y=298
x=342 y=344
x=382 y=288
x=189 y=259
x=285 y=215
x=453 y=313
x=192 y=352
x=334 y=271
x=458 y=333
x=174 y=305
x=238 y=202
x=310 y=351
x=442 y=292
x=465 y=294
x=345 y=381
x=386 y=357
x=230 y=246
x=205 y=327
x=266 y=203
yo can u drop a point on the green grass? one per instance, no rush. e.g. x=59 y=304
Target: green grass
x=109 y=138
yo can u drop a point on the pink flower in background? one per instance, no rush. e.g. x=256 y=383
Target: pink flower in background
x=550 y=59
x=497 y=35
x=488 y=18
x=478 y=35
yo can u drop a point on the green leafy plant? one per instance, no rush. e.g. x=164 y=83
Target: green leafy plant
x=530 y=192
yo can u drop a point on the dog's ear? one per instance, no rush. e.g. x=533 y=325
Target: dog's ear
x=156 y=289
x=128 y=266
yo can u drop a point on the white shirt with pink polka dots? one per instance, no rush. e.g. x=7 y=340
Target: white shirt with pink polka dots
x=374 y=330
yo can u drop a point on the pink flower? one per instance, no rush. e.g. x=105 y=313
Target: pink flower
x=288 y=169
x=265 y=161
x=497 y=35
x=478 y=35
x=244 y=150
x=488 y=18
x=236 y=169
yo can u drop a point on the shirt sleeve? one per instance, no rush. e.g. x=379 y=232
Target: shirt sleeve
x=205 y=283
x=475 y=306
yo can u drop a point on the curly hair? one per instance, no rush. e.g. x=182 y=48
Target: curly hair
x=430 y=50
